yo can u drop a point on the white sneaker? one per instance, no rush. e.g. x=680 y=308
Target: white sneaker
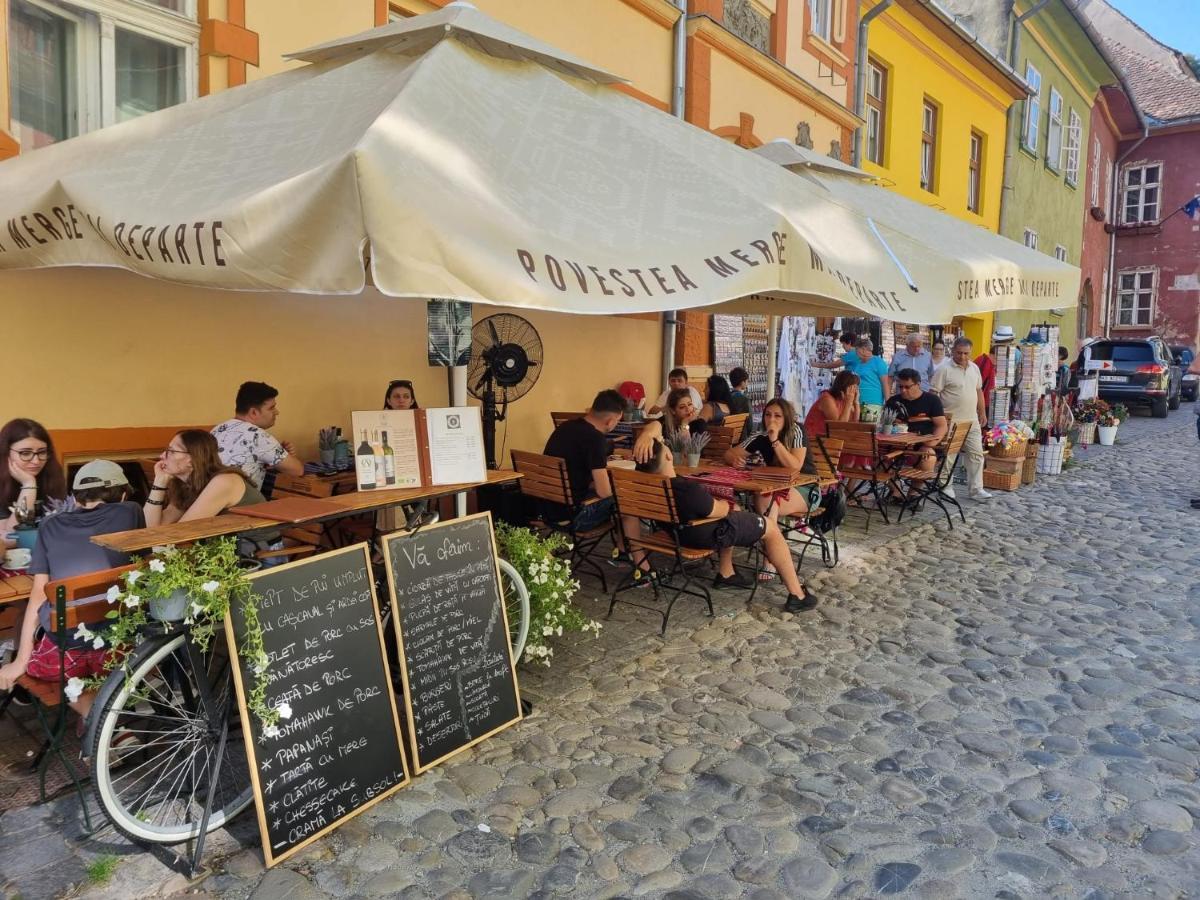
x=981 y=495
x=949 y=491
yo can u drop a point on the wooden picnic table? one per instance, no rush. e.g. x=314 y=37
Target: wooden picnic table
x=337 y=506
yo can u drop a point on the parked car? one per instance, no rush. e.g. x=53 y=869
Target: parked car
x=1184 y=357
x=1136 y=371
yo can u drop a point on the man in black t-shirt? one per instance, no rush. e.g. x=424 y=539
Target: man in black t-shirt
x=922 y=412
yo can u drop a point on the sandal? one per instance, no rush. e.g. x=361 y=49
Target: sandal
x=767 y=574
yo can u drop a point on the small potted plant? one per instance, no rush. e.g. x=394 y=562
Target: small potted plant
x=1087 y=416
x=1107 y=422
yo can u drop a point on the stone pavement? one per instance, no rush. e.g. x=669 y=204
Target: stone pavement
x=1010 y=709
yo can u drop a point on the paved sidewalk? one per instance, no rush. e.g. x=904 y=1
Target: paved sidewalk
x=1010 y=709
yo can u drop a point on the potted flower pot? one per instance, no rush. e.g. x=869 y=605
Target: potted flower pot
x=693 y=459
x=26 y=536
x=171 y=608
x=1107 y=434
x=1087 y=432
x=328 y=456
x=679 y=457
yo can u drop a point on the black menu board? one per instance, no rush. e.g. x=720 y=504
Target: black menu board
x=459 y=683
x=340 y=749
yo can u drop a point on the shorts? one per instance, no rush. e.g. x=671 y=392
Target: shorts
x=81 y=662
x=593 y=515
x=738 y=529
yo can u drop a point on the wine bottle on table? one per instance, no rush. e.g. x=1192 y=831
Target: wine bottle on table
x=389 y=461
x=364 y=462
x=378 y=450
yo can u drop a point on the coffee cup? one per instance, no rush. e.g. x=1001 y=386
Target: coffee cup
x=17 y=558
x=899 y=429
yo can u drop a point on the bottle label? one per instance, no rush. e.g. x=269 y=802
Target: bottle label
x=366 y=471
x=389 y=468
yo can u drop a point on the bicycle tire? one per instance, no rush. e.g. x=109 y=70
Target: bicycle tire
x=515 y=595
x=156 y=662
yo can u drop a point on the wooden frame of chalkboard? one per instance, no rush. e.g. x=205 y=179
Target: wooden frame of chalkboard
x=252 y=730
x=413 y=549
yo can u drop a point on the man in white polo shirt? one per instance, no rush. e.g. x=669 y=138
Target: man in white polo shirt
x=960 y=388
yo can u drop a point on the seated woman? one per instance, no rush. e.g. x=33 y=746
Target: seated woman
x=65 y=549
x=720 y=398
x=680 y=413
x=837 y=404
x=191 y=483
x=30 y=475
x=727 y=529
x=780 y=442
x=400 y=395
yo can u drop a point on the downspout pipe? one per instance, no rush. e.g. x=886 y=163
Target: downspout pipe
x=860 y=75
x=1010 y=147
x=1089 y=29
x=678 y=109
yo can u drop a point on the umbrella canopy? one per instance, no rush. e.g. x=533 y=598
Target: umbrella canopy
x=452 y=156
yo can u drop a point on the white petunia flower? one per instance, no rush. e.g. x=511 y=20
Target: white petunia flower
x=157 y=565
x=198 y=609
x=98 y=643
x=74 y=688
x=285 y=710
x=210 y=587
x=114 y=594
x=133 y=576
x=132 y=601
x=559 y=631
x=271 y=731
x=547 y=631
x=83 y=633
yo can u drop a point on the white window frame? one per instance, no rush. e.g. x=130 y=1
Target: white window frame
x=1060 y=252
x=1054 y=131
x=1071 y=147
x=1094 y=177
x=1033 y=109
x=876 y=114
x=1126 y=188
x=1031 y=238
x=1132 y=294
x=975 y=142
x=96 y=23
x=821 y=19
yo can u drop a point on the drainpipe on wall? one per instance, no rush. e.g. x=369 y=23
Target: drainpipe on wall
x=678 y=100
x=860 y=76
x=1014 y=49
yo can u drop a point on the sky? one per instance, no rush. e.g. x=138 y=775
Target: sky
x=1174 y=22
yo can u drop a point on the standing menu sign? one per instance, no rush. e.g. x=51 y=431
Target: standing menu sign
x=459 y=682
x=340 y=750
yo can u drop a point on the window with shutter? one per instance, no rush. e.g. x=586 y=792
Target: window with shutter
x=1054 y=128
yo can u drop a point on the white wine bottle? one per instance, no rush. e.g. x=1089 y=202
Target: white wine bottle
x=389 y=462
x=380 y=475
x=364 y=462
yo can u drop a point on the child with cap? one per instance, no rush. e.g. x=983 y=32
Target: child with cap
x=65 y=549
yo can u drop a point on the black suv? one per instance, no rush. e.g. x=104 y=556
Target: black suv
x=1184 y=357
x=1136 y=370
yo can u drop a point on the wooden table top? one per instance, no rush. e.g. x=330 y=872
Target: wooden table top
x=348 y=504
x=14 y=588
x=787 y=478
x=901 y=440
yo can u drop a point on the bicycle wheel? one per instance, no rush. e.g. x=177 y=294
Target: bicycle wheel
x=153 y=748
x=516 y=607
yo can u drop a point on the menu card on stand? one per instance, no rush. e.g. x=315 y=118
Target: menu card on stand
x=455 y=440
x=386 y=445
x=460 y=686
x=340 y=750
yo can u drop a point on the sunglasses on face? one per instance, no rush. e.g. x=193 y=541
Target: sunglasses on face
x=31 y=455
x=403 y=384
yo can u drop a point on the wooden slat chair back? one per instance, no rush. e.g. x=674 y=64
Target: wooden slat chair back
x=736 y=422
x=651 y=497
x=545 y=478
x=721 y=438
x=856 y=440
x=559 y=417
x=826 y=457
x=876 y=477
x=923 y=485
x=843 y=427
x=76 y=601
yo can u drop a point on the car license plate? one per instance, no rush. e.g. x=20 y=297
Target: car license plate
x=1118 y=378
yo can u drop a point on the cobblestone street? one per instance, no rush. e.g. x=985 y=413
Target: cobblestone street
x=1011 y=709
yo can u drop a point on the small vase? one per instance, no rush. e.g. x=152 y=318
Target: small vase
x=171 y=608
x=678 y=457
x=26 y=536
x=327 y=457
x=693 y=459
x=1107 y=434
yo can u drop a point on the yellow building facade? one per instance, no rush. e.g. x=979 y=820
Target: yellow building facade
x=936 y=110
x=757 y=70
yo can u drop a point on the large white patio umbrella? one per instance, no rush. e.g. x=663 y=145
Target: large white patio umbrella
x=449 y=155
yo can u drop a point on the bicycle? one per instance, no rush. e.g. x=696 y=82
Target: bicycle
x=165 y=732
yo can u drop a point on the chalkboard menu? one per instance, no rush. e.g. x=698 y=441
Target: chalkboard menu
x=340 y=749
x=459 y=683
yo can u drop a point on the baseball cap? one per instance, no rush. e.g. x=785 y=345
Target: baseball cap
x=99 y=473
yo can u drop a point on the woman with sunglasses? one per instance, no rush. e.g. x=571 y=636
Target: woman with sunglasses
x=400 y=395
x=29 y=476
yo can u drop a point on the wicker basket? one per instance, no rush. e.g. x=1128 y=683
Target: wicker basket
x=999 y=481
x=1029 y=469
x=1016 y=451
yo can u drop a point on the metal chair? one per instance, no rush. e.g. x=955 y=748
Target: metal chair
x=919 y=485
x=876 y=477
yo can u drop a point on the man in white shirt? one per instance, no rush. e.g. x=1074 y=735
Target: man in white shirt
x=959 y=385
x=678 y=378
x=243 y=441
x=914 y=356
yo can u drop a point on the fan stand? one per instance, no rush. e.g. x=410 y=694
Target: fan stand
x=491 y=415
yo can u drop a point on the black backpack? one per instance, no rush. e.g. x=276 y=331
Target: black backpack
x=833 y=511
